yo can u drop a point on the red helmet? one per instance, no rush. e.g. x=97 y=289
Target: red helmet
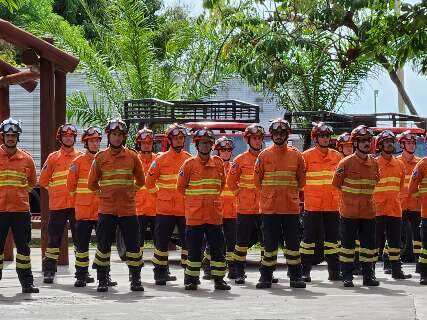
x=361 y=131
x=175 y=129
x=279 y=123
x=344 y=138
x=114 y=124
x=252 y=130
x=203 y=132
x=406 y=136
x=66 y=129
x=91 y=132
x=320 y=128
x=144 y=134
x=223 y=143
x=384 y=135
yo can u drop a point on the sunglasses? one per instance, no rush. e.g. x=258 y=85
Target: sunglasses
x=117 y=125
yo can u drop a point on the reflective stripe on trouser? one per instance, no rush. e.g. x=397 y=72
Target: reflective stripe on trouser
x=165 y=225
x=215 y=241
x=389 y=228
x=83 y=230
x=322 y=226
x=106 y=233
x=184 y=257
x=55 y=230
x=277 y=228
x=364 y=229
x=246 y=225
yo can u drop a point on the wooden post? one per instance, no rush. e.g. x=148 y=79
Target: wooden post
x=4 y=114
x=47 y=135
x=60 y=101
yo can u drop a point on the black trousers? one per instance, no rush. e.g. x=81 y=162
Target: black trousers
x=276 y=228
x=55 y=229
x=20 y=223
x=229 y=230
x=320 y=226
x=246 y=225
x=145 y=223
x=105 y=235
x=423 y=255
x=165 y=224
x=83 y=230
x=351 y=229
x=389 y=228
x=215 y=240
x=411 y=221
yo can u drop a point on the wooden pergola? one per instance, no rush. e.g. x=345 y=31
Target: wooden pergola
x=49 y=65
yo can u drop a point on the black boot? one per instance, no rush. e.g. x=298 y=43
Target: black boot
x=102 y=281
x=357 y=271
x=240 y=273
x=387 y=266
x=169 y=277
x=264 y=282
x=397 y=272
x=334 y=273
x=27 y=283
x=232 y=273
x=417 y=268
x=48 y=277
x=423 y=280
x=190 y=283
x=220 y=284
x=207 y=272
x=89 y=279
x=160 y=276
x=80 y=281
x=297 y=283
x=348 y=283
x=369 y=275
x=136 y=284
x=306 y=269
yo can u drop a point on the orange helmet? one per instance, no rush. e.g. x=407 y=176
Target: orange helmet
x=66 y=129
x=320 y=128
x=252 y=130
x=344 y=138
x=114 y=124
x=144 y=134
x=175 y=129
x=91 y=132
x=279 y=123
x=384 y=135
x=203 y=132
x=361 y=131
x=223 y=143
x=406 y=136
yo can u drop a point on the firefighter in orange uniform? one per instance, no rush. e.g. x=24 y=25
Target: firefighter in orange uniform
x=117 y=174
x=53 y=177
x=387 y=202
x=145 y=201
x=161 y=179
x=418 y=187
x=201 y=179
x=411 y=206
x=279 y=175
x=17 y=178
x=356 y=177
x=86 y=203
x=321 y=217
x=240 y=180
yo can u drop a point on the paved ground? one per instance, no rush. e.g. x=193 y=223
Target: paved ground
x=321 y=300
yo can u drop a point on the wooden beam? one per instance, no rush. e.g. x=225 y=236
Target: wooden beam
x=6 y=69
x=24 y=40
x=30 y=57
x=18 y=78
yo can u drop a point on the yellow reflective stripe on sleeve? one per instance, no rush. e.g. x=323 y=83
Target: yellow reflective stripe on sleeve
x=134 y=263
x=13 y=183
x=161 y=253
x=319 y=173
x=357 y=191
x=59 y=174
x=81 y=180
x=360 y=181
x=58 y=183
x=347 y=251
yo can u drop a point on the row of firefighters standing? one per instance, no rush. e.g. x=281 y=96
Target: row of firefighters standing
x=354 y=203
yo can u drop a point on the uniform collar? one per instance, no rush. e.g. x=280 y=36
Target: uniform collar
x=67 y=153
x=282 y=148
x=17 y=155
x=89 y=155
x=362 y=161
x=116 y=154
x=320 y=153
x=383 y=160
x=209 y=163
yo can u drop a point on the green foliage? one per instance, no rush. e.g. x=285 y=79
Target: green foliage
x=10 y=5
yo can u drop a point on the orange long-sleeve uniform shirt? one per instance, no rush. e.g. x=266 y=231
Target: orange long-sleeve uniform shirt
x=409 y=201
x=17 y=178
x=146 y=201
x=387 y=190
x=319 y=194
x=228 y=198
x=279 y=175
x=201 y=183
x=117 y=174
x=53 y=177
x=240 y=180
x=418 y=185
x=86 y=202
x=356 y=178
x=161 y=178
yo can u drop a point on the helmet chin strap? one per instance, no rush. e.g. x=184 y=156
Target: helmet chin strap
x=66 y=145
x=202 y=153
x=404 y=148
x=358 y=149
x=253 y=148
x=115 y=147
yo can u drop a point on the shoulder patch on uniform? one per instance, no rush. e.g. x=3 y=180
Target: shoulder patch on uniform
x=73 y=167
x=339 y=171
x=181 y=173
x=415 y=173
